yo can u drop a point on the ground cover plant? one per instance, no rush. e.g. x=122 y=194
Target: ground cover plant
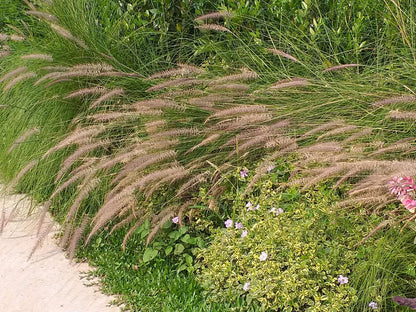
x=158 y=127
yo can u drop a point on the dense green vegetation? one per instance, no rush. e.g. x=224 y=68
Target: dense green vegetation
x=198 y=264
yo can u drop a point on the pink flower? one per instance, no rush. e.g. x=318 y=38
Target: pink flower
x=238 y=225
x=175 y=220
x=263 y=256
x=244 y=234
x=246 y=286
x=373 y=305
x=401 y=186
x=249 y=205
x=228 y=223
x=342 y=280
x=409 y=204
x=244 y=173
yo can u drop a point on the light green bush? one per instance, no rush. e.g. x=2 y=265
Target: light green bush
x=306 y=252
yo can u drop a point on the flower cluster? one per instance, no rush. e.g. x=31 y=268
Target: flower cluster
x=404 y=188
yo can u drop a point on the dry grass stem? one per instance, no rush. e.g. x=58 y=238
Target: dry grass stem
x=244 y=75
x=181 y=70
x=355 y=136
x=337 y=131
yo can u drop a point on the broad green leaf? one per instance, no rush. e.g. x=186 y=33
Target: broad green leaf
x=149 y=254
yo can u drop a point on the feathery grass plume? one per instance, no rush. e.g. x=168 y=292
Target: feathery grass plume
x=210 y=100
x=18 y=79
x=324 y=127
x=155 y=103
x=341 y=130
x=84 y=191
x=106 y=97
x=67 y=35
x=283 y=54
x=136 y=165
x=395 y=100
x=244 y=75
x=17 y=38
x=214 y=15
x=117 y=202
x=214 y=27
x=82 y=150
x=279 y=142
x=290 y=82
x=401 y=145
x=204 y=142
x=4 y=37
x=182 y=93
x=168 y=179
x=56 y=68
x=238 y=110
x=403 y=115
x=181 y=70
x=338 y=67
x=4 y=53
x=252 y=144
x=22 y=173
x=122 y=223
x=87 y=91
x=41 y=239
x=112 y=116
x=168 y=214
x=327 y=147
x=22 y=138
x=175 y=83
x=43 y=57
x=13 y=73
x=354 y=136
x=52 y=83
x=43 y=15
x=76 y=237
x=275 y=128
x=93 y=67
x=176 y=132
x=154 y=126
x=81 y=172
x=193 y=182
x=53 y=75
x=230 y=87
x=75 y=137
x=240 y=122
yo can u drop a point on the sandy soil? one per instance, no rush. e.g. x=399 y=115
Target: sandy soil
x=47 y=282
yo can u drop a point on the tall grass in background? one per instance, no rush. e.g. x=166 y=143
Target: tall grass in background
x=277 y=58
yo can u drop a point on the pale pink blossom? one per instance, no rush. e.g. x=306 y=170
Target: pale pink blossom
x=228 y=223
x=263 y=256
x=244 y=234
x=175 y=220
x=246 y=286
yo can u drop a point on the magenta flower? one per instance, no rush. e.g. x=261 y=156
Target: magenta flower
x=342 y=280
x=244 y=234
x=373 y=305
x=228 y=223
x=409 y=204
x=263 y=256
x=238 y=225
x=175 y=220
x=401 y=186
x=244 y=173
x=246 y=286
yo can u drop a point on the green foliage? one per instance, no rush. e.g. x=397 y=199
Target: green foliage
x=177 y=245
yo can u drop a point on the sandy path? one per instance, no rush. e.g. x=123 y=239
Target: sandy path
x=47 y=282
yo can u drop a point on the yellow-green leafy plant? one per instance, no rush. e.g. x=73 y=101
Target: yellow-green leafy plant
x=286 y=251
